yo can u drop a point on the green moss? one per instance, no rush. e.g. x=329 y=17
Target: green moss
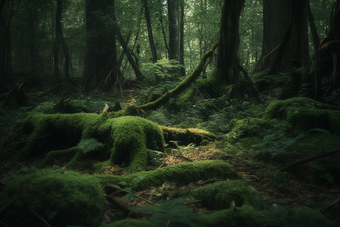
x=276 y=108
x=186 y=136
x=183 y=173
x=221 y=194
x=275 y=217
x=57 y=155
x=129 y=223
x=304 y=118
x=251 y=126
x=77 y=199
x=127 y=137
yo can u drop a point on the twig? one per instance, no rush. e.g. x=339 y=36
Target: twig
x=116 y=187
x=310 y=159
x=38 y=216
x=126 y=210
x=329 y=205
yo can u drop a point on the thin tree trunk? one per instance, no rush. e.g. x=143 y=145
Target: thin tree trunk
x=181 y=39
x=162 y=26
x=315 y=36
x=57 y=40
x=173 y=29
x=148 y=23
x=121 y=40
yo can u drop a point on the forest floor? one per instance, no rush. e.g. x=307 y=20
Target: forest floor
x=299 y=190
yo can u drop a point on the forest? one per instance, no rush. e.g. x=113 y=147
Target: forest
x=200 y=113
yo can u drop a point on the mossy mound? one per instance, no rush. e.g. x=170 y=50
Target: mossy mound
x=221 y=194
x=129 y=223
x=304 y=113
x=125 y=139
x=275 y=217
x=186 y=136
x=183 y=173
x=60 y=197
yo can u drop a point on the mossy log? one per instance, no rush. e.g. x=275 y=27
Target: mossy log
x=182 y=86
x=125 y=139
x=186 y=136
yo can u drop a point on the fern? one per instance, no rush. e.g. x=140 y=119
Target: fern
x=87 y=145
x=172 y=211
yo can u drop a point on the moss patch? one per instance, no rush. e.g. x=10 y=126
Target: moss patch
x=126 y=138
x=186 y=136
x=183 y=173
x=221 y=194
x=75 y=199
x=275 y=217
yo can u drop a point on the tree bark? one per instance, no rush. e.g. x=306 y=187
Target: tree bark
x=121 y=40
x=173 y=30
x=5 y=51
x=276 y=19
x=101 y=55
x=315 y=36
x=57 y=40
x=229 y=42
x=181 y=39
x=148 y=23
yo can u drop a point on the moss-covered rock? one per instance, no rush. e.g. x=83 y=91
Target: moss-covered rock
x=183 y=173
x=221 y=194
x=73 y=198
x=126 y=138
x=275 y=217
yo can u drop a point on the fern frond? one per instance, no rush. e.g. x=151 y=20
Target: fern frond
x=87 y=145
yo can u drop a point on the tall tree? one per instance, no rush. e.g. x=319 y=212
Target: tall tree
x=315 y=36
x=148 y=23
x=101 y=55
x=229 y=42
x=181 y=39
x=228 y=69
x=5 y=48
x=173 y=29
x=276 y=19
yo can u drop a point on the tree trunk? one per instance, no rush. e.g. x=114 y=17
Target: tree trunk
x=101 y=55
x=121 y=40
x=296 y=43
x=5 y=51
x=276 y=19
x=181 y=39
x=57 y=41
x=148 y=23
x=173 y=33
x=229 y=42
x=315 y=36
x=326 y=74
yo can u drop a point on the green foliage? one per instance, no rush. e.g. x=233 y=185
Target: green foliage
x=333 y=98
x=278 y=179
x=62 y=197
x=87 y=145
x=171 y=211
x=155 y=158
x=163 y=68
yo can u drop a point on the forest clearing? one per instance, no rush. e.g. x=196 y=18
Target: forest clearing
x=129 y=126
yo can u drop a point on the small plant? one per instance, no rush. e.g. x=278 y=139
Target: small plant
x=164 y=68
x=87 y=145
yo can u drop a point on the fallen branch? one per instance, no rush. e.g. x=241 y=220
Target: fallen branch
x=310 y=159
x=118 y=188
